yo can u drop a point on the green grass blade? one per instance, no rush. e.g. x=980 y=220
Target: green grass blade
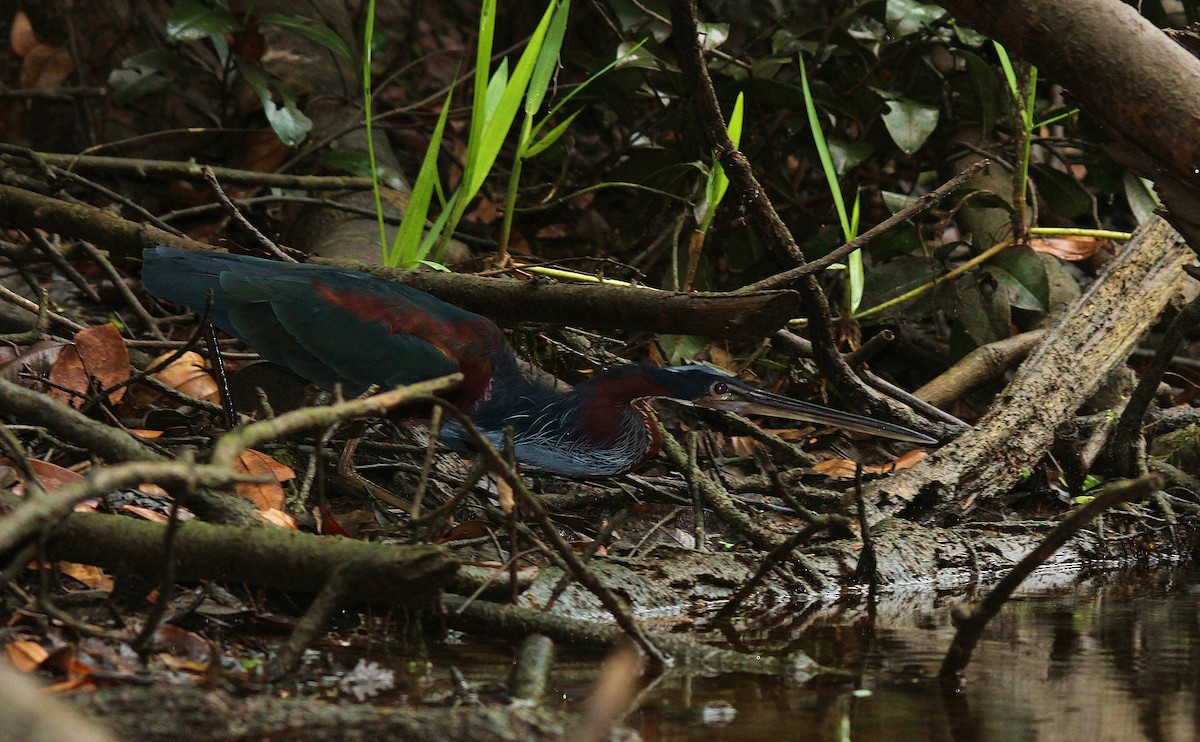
x=368 y=44
x=579 y=89
x=551 y=137
x=547 y=60
x=855 y=273
x=483 y=66
x=1010 y=74
x=814 y=123
x=496 y=129
x=718 y=181
x=406 y=248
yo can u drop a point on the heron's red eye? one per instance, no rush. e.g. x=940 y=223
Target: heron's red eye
x=720 y=388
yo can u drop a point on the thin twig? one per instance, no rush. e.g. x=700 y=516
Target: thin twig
x=211 y=178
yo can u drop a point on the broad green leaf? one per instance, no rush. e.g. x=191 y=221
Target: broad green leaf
x=712 y=35
x=288 y=123
x=981 y=308
x=1017 y=293
x=898 y=277
x=906 y=17
x=986 y=88
x=191 y=20
x=405 y=247
x=897 y=201
x=848 y=155
x=145 y=73
x=1065 y=195
x=681 y=348
x=311 y=30
x=968 y=36
x=1143 y=201
x=129 y=85
x=903 y=240
x=910 y=123
x=1021 y=274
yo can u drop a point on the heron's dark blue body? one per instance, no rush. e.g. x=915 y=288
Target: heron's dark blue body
x=341 y=327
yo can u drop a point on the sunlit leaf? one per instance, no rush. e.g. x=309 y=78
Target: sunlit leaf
x=287 y=121
x=906 y=17
x=189 y=375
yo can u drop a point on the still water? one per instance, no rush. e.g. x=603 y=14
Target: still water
x=1114 y=656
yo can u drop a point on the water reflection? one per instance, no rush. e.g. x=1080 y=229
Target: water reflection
x=1108 y=657
x=1112 y=657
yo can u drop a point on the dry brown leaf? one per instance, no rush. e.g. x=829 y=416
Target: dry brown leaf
x=183 y=665
x=844 y=468
x=82 y=683
x=262 y=152
x=189 y=375
x=504 y=493
x=720 y=357
x=152 y=489
x=98 y=352
x=50 y=475
x=90 y=575
x=1068 y=247
x=46 y=67
x=153 y=516
x=264 y=495
x=21 y=36
x=25 y=655
x=277 y=517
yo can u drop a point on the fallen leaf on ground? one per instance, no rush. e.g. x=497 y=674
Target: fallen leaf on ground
x=264 y=495
x=25 y=655
x=188 y=375
x=99 y=352
x=844 y=468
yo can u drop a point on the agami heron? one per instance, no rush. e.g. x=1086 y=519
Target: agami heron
x=342 y=327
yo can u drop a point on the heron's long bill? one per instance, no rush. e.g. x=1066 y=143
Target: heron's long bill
x=750 y=401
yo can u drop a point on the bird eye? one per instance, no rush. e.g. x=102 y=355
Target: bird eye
x=720 y=388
